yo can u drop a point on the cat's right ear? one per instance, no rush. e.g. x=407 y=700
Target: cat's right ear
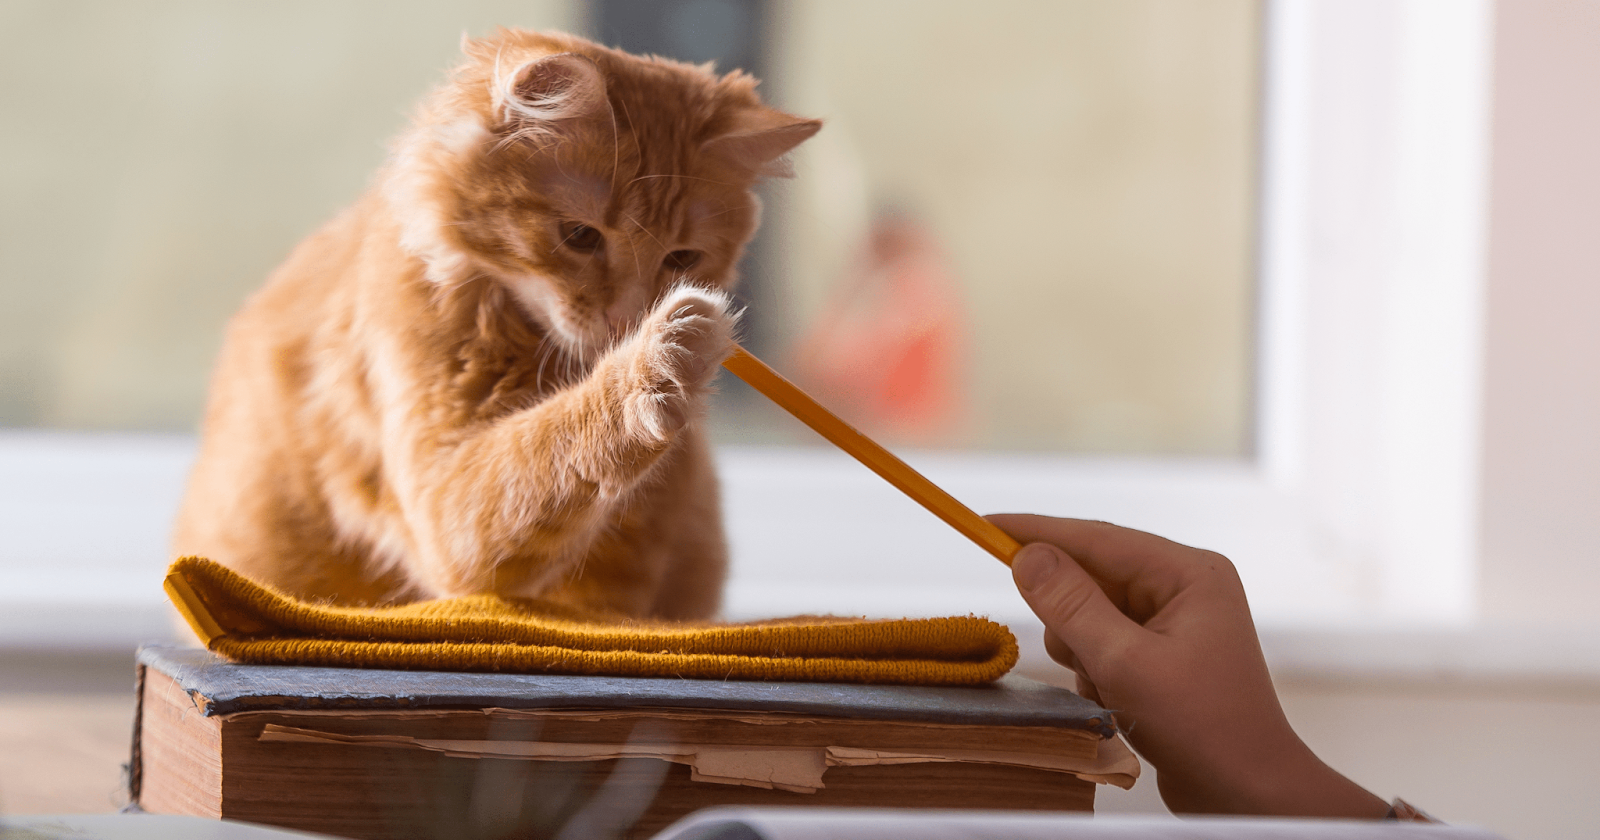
x=548 y=91
x=759 y=140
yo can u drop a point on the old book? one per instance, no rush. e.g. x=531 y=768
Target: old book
x=413 y=754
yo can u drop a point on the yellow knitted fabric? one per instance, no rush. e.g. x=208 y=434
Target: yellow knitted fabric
x=249 y=622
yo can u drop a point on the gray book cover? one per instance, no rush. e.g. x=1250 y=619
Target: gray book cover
x=222 y=687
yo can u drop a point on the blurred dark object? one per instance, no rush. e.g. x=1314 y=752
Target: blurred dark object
x=733 y=34
x=729 y=32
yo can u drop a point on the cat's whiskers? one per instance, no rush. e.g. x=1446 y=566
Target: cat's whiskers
x=561 y=167
x=580 y=358
x=645 y=230
x=564 y=239
x=616 y=146
x=684 y=177
x=441 y=293
x=546 y=348
x=631 y=131
x=638 y=269
x=723 y=212
x=576 y=572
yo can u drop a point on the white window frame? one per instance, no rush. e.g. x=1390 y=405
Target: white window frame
x=1359 y=505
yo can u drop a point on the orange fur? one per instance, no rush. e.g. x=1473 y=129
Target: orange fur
x=487 y=375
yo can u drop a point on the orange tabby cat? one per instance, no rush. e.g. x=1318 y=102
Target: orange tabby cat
x=487 y=375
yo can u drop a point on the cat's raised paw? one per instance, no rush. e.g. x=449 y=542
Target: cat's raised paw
x=684 y=339
x=698 y=321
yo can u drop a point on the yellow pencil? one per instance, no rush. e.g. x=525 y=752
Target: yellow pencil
x=864 y=449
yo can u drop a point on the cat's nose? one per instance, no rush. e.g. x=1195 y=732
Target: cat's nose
x=617 y=322
x=620 y=315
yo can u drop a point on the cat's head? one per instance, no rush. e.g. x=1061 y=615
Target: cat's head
x=585 y=179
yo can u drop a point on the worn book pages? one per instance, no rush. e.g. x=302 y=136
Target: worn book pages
x=795 y=769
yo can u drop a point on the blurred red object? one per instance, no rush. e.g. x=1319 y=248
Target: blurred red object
x=891 y=350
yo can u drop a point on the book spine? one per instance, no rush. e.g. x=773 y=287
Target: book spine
x=135 y=766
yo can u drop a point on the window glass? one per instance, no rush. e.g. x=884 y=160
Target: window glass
x=1026 y=225
x=158 y=158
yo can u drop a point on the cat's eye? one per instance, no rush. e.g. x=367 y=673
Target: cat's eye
x=682 y=260
x=581 y=237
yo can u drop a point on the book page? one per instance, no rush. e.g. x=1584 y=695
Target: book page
x=795 y=769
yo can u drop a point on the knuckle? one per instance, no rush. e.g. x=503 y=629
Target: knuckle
x=1068 y=604
x=1218 y=564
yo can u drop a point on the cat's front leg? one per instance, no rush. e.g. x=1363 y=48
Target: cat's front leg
x=516 y=506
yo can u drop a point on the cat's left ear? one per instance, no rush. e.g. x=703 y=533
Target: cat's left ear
x=553 y=89
x=759 y=139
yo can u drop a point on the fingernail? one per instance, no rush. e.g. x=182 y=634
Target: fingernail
x=1033 y=565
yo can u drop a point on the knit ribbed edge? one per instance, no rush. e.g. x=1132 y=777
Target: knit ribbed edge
x=264 y=625
x=533 y=659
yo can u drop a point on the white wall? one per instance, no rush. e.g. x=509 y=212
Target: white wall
x=1541 y=408
x=1372 y=284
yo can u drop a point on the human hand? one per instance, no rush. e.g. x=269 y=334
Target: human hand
x=1161 y=634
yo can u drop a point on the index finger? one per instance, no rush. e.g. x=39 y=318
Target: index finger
x=1143 y=570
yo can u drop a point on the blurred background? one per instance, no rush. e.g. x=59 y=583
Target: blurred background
x=1073 y=184
x=1310 y=282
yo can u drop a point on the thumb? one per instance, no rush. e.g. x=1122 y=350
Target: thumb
x=1071 y=605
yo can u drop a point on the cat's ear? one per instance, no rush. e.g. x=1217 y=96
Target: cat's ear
x=759 y=140
x=550 y=90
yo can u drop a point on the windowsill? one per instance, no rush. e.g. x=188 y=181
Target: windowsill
x=1485 y=658
x=811 y=531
